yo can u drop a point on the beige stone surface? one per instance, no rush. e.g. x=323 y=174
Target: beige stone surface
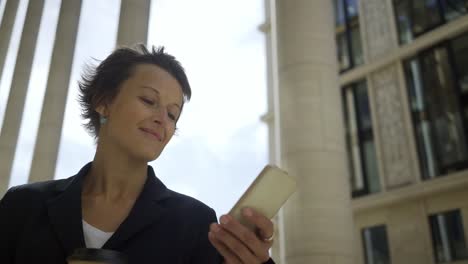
x=312 y=102
x=6 y=27
x=376 y=28
x=51 y=121
x=343 y=259
x=133 y=22
x=390 y=129
x=358 y=250
x=457 y=198
x=317 y=219
x=408 y=119
x=18 y=91
x=409 y=240
x=407 y=222
x=372 y=217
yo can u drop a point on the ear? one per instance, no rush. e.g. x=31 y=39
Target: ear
x=102 y=110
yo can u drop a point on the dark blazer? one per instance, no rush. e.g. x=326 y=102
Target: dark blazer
x=42 y=223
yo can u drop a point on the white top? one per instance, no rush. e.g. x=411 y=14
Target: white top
x=94 y=237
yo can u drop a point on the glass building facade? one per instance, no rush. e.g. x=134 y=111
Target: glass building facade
x=406 y=126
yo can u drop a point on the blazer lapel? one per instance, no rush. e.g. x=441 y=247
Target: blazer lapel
x=65 y=212
x=145 y=211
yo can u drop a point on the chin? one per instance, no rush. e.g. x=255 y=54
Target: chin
x=145 y=153
x=150 y=155
x=154 y=157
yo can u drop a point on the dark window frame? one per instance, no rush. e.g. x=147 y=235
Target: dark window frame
x=457 y=90
x=433 y=232
x=348 y=36
x=362 y=136
x=448 y=1
x=410 y=11
x=463 y=97
x=462 y=101
x=363 y=241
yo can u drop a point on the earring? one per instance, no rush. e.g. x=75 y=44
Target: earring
x=102 y=120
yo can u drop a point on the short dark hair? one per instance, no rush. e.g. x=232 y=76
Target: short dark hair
x=101 y=84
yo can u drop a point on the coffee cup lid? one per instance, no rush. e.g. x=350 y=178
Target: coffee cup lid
x=97 y=254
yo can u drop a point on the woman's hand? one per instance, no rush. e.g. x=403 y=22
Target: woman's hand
x=237 y=244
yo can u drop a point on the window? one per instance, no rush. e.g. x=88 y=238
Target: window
x=425 y=16
x=460 y=55
x=416 y=17
x=439 y=112
x=348 y=35
x=360 y=140
x=460 y=50
x=454 y=8
x=376 y=245
x=448 y=237
x=403 y=21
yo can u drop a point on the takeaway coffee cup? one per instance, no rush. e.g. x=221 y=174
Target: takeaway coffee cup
x=96 y=256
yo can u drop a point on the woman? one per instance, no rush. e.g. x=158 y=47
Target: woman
x=131 y=102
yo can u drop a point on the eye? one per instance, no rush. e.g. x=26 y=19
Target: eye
x=171 y=116
x=147 y=101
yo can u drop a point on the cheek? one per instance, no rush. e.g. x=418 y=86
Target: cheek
x=170 y=132
x=129 y=115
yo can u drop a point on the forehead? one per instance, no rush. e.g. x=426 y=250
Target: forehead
x=149 y=75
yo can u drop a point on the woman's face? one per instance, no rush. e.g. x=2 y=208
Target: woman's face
x=142 y=117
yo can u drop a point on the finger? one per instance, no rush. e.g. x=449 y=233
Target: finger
x=246 y=236
x=236 y=246
x=228 y=256
x=264 y=225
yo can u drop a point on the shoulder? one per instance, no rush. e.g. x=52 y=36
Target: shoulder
x=33 y=193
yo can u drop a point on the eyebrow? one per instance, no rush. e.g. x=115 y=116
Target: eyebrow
x=156 y=91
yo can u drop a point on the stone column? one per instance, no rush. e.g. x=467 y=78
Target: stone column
x=318 y=224
x=268 y=28
x=19 y=87
x=6 y=26
x=133 y=22
x=50 y=126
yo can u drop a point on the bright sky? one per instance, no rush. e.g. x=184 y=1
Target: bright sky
x=221 y=145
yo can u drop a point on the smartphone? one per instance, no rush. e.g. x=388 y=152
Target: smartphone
x=267 y=193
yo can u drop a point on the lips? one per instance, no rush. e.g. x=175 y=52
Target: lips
x=153 y=133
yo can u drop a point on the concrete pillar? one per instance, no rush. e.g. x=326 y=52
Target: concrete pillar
x=133 y=22
x=318 y=224
x=19 y=87
x=268 y=117
x=6 y=26
x=271 y=118
x=51 y=121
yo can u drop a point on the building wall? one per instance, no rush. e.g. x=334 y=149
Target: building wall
x=405 y=212
x=405 y=201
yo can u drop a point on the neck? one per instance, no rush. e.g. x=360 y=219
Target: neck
x=114 y=175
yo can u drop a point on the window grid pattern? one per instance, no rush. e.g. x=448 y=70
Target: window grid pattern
x=414 y=18
x=448 y=237
x=438 y=97
x=364 y=176
x=375 y=245
x=348 y=35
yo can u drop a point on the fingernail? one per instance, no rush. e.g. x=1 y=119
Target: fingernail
x=248 y=212
x=225 y=219
x=215 y=228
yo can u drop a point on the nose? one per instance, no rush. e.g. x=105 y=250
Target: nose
x=160 y=115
